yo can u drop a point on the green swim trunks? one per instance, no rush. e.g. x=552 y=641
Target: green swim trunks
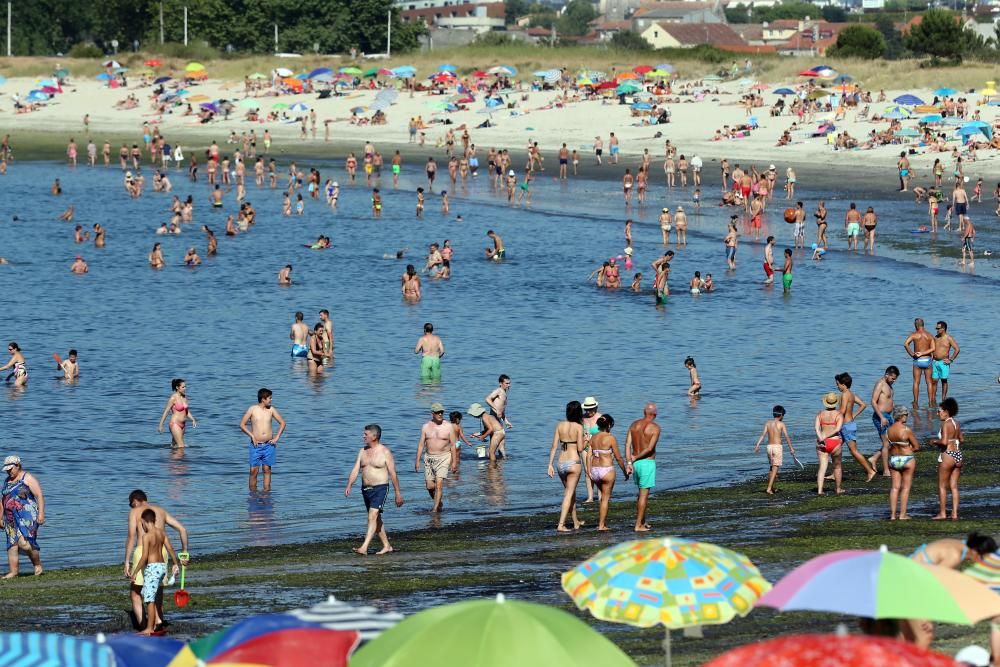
x=395 y=168
x=786 y=280
x=644 y=471
x=430 y=366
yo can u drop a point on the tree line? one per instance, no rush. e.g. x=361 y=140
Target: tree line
x=50 y=27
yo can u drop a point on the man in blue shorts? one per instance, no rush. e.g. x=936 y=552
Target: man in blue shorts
x=263 y=440
x=882 y=405
x=944 y=344
x=640 y=455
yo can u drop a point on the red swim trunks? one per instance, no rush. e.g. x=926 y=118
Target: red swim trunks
x=746 y=190
x=768 y=271
x=755 y=222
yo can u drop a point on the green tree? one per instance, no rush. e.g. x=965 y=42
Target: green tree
x=576 y=17
x=938 y=35
x=738 y=14
x=513 y=9
x=834 y=14
x=859 y=41
x=628 y=40
x=893 y=40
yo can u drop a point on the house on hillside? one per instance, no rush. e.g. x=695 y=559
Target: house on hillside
x=676 y=12
x=690 y=35
x=812 y=39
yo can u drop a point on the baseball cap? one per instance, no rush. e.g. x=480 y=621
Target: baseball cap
x=10 y=462
x=437 y=407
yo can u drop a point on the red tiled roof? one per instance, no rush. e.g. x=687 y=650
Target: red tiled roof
x=691 y=34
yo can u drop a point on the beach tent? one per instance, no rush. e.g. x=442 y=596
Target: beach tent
x=976 y=127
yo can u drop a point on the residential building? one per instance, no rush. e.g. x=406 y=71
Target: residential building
x=689 y=35
x=676 y=12
x=477 y=18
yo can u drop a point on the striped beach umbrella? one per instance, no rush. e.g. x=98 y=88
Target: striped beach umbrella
x=49 y=648
x=986 y=571
x=337 y=615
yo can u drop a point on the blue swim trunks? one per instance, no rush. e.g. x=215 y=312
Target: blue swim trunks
x=375 y=496
x=878 y=422
x=152 y=577
x=849 y=432
x=262 y=455
x=300 y=351
x=614 y=150
x=922 y=362
x=941 y=370
x=644 y=471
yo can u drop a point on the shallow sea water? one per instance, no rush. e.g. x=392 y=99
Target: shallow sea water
x=224 y=328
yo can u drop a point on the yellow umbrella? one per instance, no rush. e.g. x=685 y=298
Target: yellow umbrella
x=657 y=74
x=199 y=98
x=584 y=82
x=194 y=67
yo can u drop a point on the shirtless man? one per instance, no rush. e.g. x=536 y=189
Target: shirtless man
x=769 y=260
x=324 y=318
x=491 y=430
x=79 y=265
x=852 y=223
x=498 y=251
x=285 y=275
x=882 y=405
x=298 y=335
x=960 y=200
x=69 y=366
x=497 y=401
x=920 y=346
x=640 y=457
x=731 y=241
x=377 y=468
x=263 y=441
x=904 y=172
x=434 y=258
x=138 y=502
x=442 y=454
x=943 y=359
x=849 y=432
x=432 y=348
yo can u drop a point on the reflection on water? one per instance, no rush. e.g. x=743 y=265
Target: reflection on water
x=223 y=326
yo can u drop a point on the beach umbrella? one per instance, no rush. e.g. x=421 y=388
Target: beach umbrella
x=880 y=584
x=283 y=71
x=61 y=73
x=337 y=615
x=447 y=68
x=896 y=113
x=625 y=89
x=759 y=86
x=257 y=76
x=641 y=106
x=657 y=74
x=479 y=74
x=986 y=571
x=482 y=632
x=908 y=100
x=503 y=69
x=137 y=651
x=37 y=96
x=324 y=78
x=200 y=74
x=643 y=69
x=371 y=73
x=210 y=106
x=353 y=71
x=925 y=108
x=670 y=581
x=279 y=106
x=442 y=77
x=541 y=73
x=666 y=67
x=48 y=82
x=404 y=71
x=49 y=90
x=49 y=648
x=945 y=92
x=250 y=103
x=931 y=119
x=298 y=106
x=152 y=62
x=908 y=132
x=597 y=75
x=161 y=79
x=121 y=70
x=843 y=78
x=818 y=94
x=808 y=72
x=627 y=76
x=193 y=67
x=182 y=92
x=587 y=82
x=830 y=651
x=271 y=639
x=319 y=70
x=784 y=91
x=110 y=63
x=3 y=80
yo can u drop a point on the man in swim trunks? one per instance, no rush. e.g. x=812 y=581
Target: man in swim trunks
x=852 y=223
x=640 y=457
x=497 y=401
x=960 y=199
x=263 y=441
x=615 y=148
x=849 y=431
x=882 y=405
x=943 y=359
x=377 y=468
x=432 y=348
x=299 y=334
x=138 y=503
x=904 y=172
x=498 y=251
x=920 y=346
x=324 y=318
x=397 y=167
x=769 y=260
x=786 y=272
x=442 y=454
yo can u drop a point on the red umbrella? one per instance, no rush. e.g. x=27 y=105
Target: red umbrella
x=642 y=69
x=443 y=76
x=153 y=63
x=296 y=647
x=831 y=651
x=809 y=72
x=480 y=74
x=606 y=85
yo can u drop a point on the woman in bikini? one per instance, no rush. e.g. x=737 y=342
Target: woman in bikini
x=950 y=461
x=603 y=447
x=902 y=462
x=178 y=409
x=828 y=423
x=568 y=441
x=156 y=257
x=20 y=369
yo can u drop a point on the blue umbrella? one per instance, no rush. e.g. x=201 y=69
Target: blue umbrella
x=136 y=651
x=210 y=106
x=666 y=67
x=908 y=132
x=161 y=79
x=47 y=648
x=951 y=120
x=404 y=72
x=103 y=76
x=784 y=91
x=37 y=96
x=641 y=106
x=945 y=92
x=844 y=78
x=971 y=129
x=447 y=68
x=3 y=80
x=931 y=119
x=302 y=77
x=48 y=82
x=908 y=100
x=298 y=106
x=320 y=70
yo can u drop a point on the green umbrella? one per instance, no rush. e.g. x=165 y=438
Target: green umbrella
x=280 y=105
x=257 y=76
x=370 y=73
x=349 y=70
x=491 y=633
x=63 y=72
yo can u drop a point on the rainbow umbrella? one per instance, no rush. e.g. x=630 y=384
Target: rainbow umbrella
x=881 y=584
x=986 y=571
x=830 y=651
x=271 y=639
x=49 y=648
x=670 y=581
x=490 y=633
x=137 y=651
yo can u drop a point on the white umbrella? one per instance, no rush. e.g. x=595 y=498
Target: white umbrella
x=336 y=615
x=283 y=71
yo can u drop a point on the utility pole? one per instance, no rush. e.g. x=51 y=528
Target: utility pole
x=185 y=25
x=8 y=30
x=161 y=21
x=275 y=37
x=388 y=32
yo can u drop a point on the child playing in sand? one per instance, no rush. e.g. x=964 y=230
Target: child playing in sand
x=695 y=388
x=773 y=430
x=154 y=539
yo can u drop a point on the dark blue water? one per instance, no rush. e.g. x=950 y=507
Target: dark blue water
x=224 y=328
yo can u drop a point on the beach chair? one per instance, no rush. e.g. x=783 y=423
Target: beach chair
x=863 y=114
